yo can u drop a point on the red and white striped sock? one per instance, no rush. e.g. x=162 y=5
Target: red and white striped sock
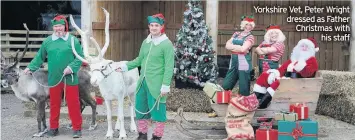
x=143 y=126
x=159 y=129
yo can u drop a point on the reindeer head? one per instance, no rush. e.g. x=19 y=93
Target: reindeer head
x=11 y=73
x=99 y=67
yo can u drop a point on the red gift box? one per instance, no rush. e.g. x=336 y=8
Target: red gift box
x=266 y=134
x=301 y=110
x=223 y=97
x=292 y=107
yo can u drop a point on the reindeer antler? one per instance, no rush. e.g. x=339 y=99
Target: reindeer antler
x=84 y=42
x=17 y=60
x=107 y=35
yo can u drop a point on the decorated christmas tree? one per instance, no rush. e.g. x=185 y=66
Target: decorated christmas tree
x=194 y=53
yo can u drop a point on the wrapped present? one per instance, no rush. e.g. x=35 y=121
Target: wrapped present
x=292 y=107
x=211 y=90
x=302 y=111
x=299 y=130
x=223 y=97
x=286 y=116
x=264 y=132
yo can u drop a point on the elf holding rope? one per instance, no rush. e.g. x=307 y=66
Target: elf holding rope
x=63 y=69
x=156 y=58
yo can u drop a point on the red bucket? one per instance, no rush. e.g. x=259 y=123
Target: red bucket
x=99 y=100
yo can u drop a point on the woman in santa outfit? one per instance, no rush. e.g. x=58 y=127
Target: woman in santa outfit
x=240 y=63
x=271 y=49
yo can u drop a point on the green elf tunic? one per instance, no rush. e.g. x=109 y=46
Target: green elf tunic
x=60 y=56
x=156 y=58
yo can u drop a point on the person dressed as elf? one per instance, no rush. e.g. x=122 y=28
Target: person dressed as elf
x=271 y=49
x=156 y=58
x=61 y=62
x=240 y=63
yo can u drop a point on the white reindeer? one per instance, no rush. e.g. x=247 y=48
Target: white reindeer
x=113 y=85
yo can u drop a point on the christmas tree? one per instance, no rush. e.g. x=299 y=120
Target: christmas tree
x=194 y=53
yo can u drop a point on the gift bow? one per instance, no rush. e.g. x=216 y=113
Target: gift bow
x=267 y=125
x=297 y=132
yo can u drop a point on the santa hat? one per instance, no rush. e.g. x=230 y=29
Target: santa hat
x=60 y=19
x=311 y=42
x=157 y=18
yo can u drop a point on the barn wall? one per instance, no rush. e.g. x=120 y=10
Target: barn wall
x=129 y=27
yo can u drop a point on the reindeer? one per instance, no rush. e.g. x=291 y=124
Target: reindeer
x=113 y=85
x=30 y=88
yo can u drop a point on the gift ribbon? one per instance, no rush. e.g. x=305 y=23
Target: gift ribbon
x=297 y=133
x=267 y=135
x=223 y=98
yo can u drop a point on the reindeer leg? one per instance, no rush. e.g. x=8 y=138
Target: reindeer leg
x=120 y=107
x=40 y=117
x=92 y=104
x=133 y=126
x=109 y=133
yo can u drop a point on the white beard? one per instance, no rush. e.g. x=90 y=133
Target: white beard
x=299 y=54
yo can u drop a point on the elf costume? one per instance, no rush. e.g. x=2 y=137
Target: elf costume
x=59 y=53
x=271 y=60
x=303 y=63
x=156 y=58
x=240 y=63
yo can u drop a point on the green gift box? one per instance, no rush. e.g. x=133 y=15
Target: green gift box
x=299 y=130
x=286 y=116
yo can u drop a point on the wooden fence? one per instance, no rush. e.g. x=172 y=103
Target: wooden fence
x=13 y=40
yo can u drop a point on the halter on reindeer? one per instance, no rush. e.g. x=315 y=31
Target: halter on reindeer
x=113 y=85
x=33 y=88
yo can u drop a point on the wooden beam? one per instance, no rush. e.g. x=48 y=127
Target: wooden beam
x=177 y=26
x=352 y=41
x=116 y=26
x=212 y=23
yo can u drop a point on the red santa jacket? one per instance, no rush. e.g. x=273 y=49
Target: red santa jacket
x=306 y=69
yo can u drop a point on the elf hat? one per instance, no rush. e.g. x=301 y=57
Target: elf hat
x=248 y=18
x=157 y=18
x=60 y=19
x=273 y=26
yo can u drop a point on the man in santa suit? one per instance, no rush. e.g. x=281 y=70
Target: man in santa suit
x=302 y=64
x=265 y=86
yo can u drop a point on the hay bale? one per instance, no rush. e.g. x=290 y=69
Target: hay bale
x=337 y=107
x=338 y=82
x=192 y=100
x=337 y=96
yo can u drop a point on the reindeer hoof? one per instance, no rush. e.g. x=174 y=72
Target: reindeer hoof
x=40 y=134
x=69 y=126
x=122 y=137
x=93 y=127
x=109 y=137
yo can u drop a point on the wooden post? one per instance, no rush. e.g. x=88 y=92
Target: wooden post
x=212 y=23
x=86 y=20
x=352 y=41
